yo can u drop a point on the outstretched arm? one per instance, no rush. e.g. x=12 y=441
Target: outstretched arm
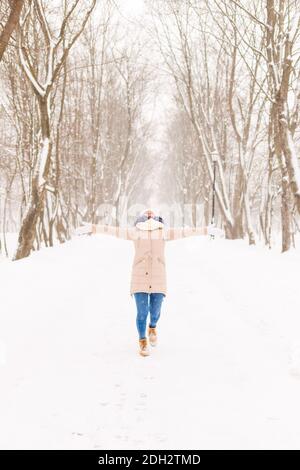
x=174 y=233
x=127 y=233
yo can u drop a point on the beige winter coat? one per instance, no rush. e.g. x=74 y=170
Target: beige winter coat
x=148 y=273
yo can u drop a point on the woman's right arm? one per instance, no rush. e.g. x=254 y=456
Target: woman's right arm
x=127 y=233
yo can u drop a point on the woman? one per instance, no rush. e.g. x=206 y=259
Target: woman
x=148 y=275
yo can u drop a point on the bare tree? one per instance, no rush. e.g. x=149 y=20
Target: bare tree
x=42 y=85
x=277 y=23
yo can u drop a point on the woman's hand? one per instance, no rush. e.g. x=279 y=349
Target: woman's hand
x=85 y=229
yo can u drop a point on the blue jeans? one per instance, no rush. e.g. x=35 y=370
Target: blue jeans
x=147 y=302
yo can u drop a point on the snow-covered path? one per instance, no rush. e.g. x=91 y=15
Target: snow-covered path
x=225 y=374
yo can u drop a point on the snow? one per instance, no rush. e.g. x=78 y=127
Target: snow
x=225 y=374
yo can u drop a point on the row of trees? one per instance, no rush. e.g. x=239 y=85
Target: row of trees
x=73 y=130
x=235 y=68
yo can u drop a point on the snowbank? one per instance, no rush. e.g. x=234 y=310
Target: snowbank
x=225 y=374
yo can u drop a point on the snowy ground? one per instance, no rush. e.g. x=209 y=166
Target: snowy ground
x=225 y=374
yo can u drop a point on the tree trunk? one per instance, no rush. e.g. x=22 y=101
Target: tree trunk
x=286 y=216
x=36 y=200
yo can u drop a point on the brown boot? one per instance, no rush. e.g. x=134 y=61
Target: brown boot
x=152 y=336
x=144 y=351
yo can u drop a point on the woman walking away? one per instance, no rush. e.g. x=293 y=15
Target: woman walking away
x=148 y=276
